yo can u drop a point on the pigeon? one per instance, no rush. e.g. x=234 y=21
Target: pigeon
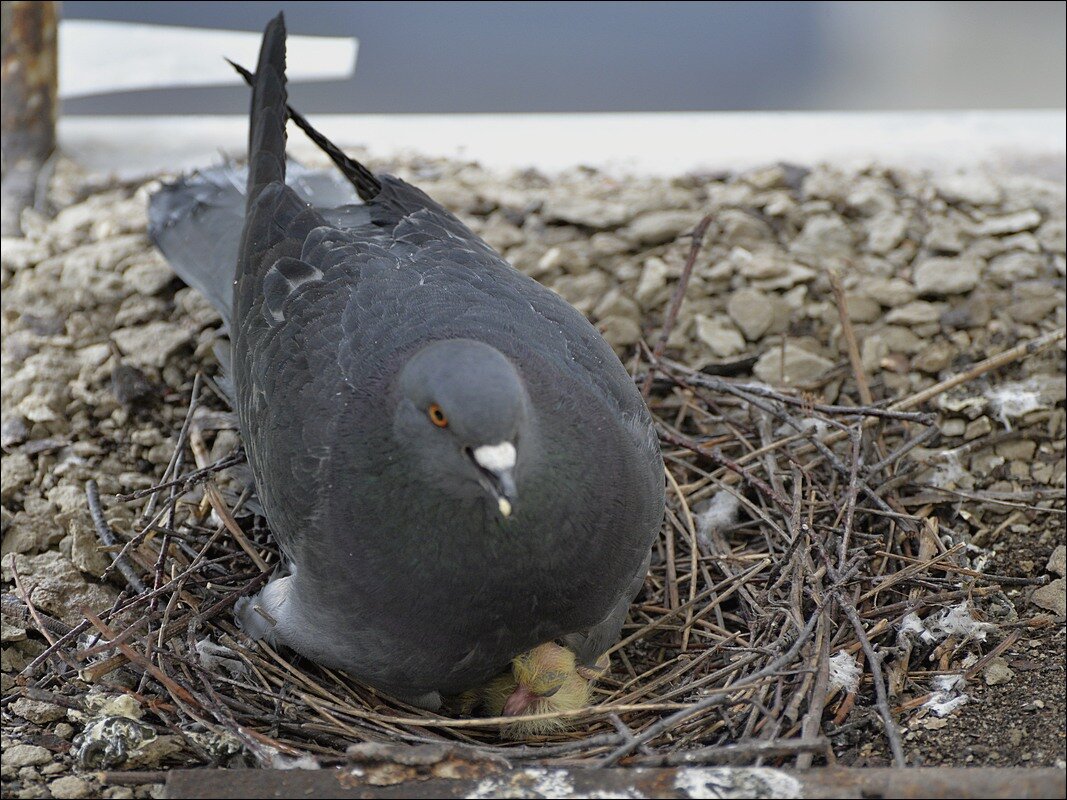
x=455 y=464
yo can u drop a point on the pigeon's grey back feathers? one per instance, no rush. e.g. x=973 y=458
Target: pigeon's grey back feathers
x=398 y=578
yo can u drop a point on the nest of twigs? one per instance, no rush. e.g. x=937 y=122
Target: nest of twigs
x=797 y=545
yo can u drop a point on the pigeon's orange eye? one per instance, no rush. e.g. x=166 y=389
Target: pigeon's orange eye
x=437 y=416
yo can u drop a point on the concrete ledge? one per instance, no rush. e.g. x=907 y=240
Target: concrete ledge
x=636 y=783
x=1032 y=142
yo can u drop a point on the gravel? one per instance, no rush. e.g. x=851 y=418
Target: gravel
x=939 y=272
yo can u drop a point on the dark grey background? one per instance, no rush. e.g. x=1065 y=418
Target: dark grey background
x=638 y=56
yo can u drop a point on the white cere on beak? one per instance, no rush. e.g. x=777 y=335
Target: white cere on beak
x=496 y=458
x=505 y=507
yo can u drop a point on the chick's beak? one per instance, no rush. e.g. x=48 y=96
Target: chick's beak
x=518 y=701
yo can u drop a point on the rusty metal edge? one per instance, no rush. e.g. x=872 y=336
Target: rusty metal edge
x=987 y=782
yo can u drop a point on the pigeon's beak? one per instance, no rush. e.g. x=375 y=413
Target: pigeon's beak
x=497 y=464
x=505 y=492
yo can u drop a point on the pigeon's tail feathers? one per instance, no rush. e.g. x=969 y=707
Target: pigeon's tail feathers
x=367 y=185
x=196 y=223
x=266 y=133
x=365 y=182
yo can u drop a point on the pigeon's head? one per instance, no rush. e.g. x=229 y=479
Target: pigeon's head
x=463 y=419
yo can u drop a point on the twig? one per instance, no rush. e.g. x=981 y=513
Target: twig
x=858 y=372
x=730 y=753
x=19 y=612
x=1035 y=345
x=676 y=299
x=715 y=698
x=108 y=537
x=175 y=689
x=747 y=390
x=187 y=481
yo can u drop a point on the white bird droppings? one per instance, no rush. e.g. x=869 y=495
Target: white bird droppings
x=531 y=782
x=845 y=673
x=954 y=621
x=741 y=782
x=943 y=704
x=1014 y=400
x=720 y=512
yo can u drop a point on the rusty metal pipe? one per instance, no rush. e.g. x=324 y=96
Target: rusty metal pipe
x=28 y=79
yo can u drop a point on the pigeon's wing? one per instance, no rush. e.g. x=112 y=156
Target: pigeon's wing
x=196 y=222
x=298 y=269
x=590 y=644
x=272 y=372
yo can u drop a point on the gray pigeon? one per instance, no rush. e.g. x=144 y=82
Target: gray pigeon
x=456 y=465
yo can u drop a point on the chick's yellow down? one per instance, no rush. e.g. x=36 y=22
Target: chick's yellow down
x=542 y=680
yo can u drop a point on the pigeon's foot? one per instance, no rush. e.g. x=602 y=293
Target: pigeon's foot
x=597 y=670
x=261 y=617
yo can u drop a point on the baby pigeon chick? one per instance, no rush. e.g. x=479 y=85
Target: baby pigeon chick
x=540 y=681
